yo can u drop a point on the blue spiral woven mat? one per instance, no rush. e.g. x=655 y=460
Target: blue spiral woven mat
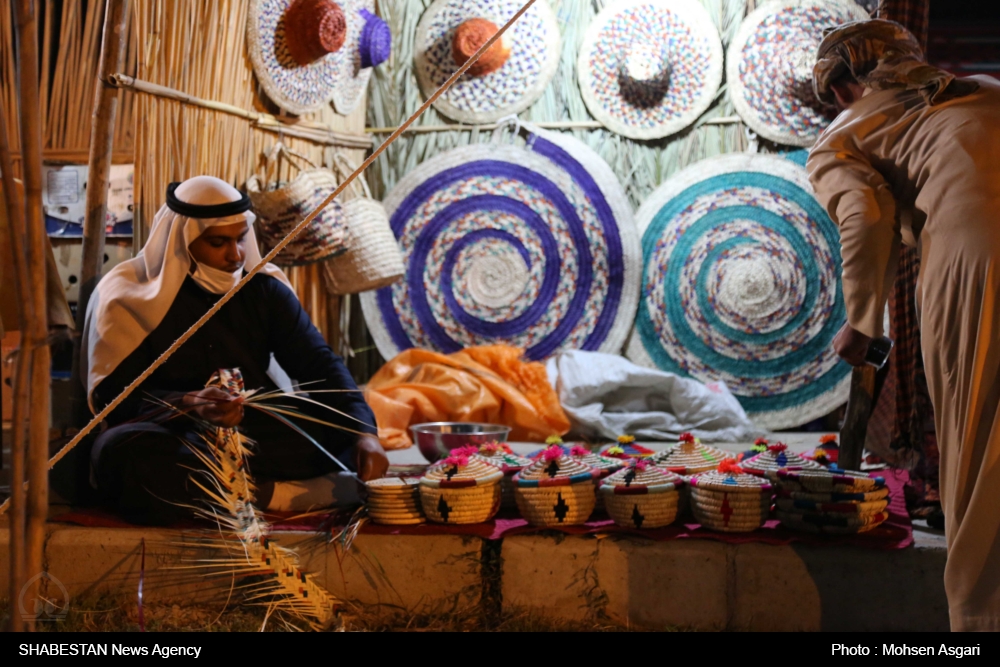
x=532 y=246
x=741 y=284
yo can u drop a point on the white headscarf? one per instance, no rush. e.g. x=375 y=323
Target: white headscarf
x=133 y=298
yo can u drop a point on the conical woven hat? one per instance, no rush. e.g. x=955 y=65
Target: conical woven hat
x=641 y=478
x=462 y=471
x=555 y=468
x=777 y=456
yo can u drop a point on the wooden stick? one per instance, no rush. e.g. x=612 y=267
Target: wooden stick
x=15 y=222
x=310 y=131
x=859 y=411
x=35 y=329
x=545 y=125
x=102 y=136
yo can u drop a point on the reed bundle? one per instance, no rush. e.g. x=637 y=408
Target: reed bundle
x=70 y=41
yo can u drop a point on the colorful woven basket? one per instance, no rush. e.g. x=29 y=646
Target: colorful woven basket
x=641 y=496
x=741 y=284
x=282 y=206
x=730 y=500
x=650 y=68
x=394 y=501
x=777 y=456
x=533 y=247
x=825 y=481
x=555 y=490
x=769 y=67
x=532 y=42
x=836 y=524
x=461 y=490
x=501 y=456
x=689 y=456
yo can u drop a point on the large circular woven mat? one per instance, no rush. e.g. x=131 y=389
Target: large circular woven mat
x=769 y=67
x=534 y=57
x=534 y=247
x=682 y=34
x=741 y=283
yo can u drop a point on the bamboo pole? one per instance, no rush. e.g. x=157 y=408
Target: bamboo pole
x=316 y=132
x=545 y=125
x=15 y=221
x=102 y=134
x=34 y=329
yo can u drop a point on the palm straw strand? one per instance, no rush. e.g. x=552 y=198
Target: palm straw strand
x=278 y=247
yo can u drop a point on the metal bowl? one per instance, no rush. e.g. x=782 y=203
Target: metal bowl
x=435 y=440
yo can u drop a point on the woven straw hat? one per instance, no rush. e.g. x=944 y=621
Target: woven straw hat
x=461 y=490
x=532 y=247
x=777 y=456
x=303 y=50
x=742 y=284
x=373 y=259
x=769 y=67
x=369 y=43
x=394 y=501
x=518 y=67
x=689 y=456
x=280 y=207
x=641 y=496
x=650 y=68
x=555 y=490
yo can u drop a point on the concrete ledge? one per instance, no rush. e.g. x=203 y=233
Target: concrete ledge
x=686 y=584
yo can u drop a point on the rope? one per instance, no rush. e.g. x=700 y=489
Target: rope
x=277 y=249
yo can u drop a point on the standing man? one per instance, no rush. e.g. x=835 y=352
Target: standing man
x=914 y=158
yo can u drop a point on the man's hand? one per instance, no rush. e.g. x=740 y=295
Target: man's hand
x=370 y=459
x=216 y=406
x=851 y=345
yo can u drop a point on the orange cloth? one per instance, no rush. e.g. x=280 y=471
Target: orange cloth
x=480 y=384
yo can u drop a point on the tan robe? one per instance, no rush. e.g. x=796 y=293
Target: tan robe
x=892 y=169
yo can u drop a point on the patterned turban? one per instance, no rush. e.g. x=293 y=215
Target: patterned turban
x=881 y=55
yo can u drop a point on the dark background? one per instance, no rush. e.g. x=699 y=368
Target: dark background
x=965 y=36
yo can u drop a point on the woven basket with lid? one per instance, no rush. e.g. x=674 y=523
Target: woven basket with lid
x=729 y=499
x=501 y=456
x=689 y=456
x=460 y=490
x=394 y=501
x=555 y=490
x=825 y=481
x=777 y=456
x=641 y=496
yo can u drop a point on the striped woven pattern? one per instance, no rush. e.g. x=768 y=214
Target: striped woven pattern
x=475 y=472
x=741 y=284
x=533 y=247
x=777 y=457
x=688 y=458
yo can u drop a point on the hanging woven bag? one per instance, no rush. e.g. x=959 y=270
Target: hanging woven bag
x=373 y=260
x=280 y=207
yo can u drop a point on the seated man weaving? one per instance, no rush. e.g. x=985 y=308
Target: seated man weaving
x=200 y=243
